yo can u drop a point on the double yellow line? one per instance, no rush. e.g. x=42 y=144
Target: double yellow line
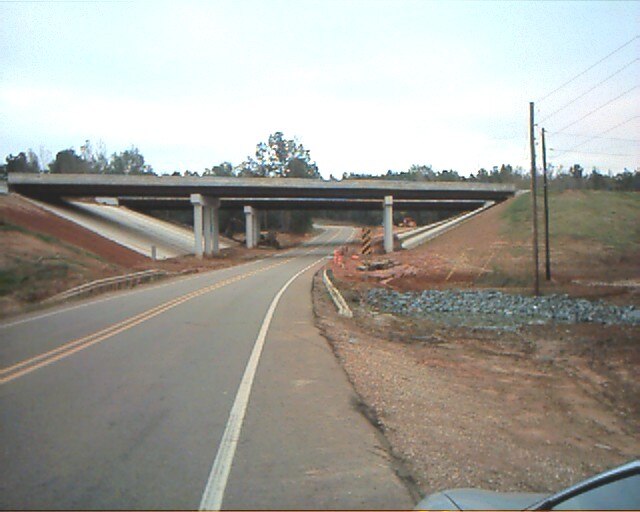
x=29 y=365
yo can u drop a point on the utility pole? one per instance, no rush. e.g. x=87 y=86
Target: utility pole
x=534 y=204
x=546 y=211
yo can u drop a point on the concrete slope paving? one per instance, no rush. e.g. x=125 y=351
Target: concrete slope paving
x=134 y=418
x=179 y=238
x=134 y=230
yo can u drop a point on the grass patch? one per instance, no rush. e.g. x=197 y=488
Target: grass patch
x=30 y=279
x=10 y=280
x=7 y=226
x=610 y=218
x=498 y=278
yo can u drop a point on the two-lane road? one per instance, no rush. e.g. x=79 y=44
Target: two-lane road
x=208 y=391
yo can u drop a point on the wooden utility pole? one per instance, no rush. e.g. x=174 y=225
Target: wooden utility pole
x=546 y=211
x=534 y=203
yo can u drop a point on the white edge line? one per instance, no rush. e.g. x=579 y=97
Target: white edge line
x=113 y=295
x=119 y=294
x=217 y=482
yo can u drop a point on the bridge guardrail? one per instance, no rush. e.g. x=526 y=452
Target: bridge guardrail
x=108 y=283
x=337 y=298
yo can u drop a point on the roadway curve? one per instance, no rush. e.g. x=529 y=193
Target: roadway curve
x=126 y=401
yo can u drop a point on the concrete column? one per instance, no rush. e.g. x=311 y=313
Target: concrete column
x=387 y=221
x=205 y=218
x=207 y=230
x=215 y=229
x=250 y=230
x=197 y=229
x=256 y=228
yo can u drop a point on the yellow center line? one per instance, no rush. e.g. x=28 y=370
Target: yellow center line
x=29 y=365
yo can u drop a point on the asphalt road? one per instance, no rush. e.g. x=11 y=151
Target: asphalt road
x=209 y=391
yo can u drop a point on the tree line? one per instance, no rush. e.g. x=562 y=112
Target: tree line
x=90 y=160
x=279 y=157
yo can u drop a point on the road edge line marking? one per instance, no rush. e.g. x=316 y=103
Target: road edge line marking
x=217 y=482
x=8 y=323
x=28 y=365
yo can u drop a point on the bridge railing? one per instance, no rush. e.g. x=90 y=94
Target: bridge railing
x=108 y=283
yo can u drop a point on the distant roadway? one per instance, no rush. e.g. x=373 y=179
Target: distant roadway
x=211 y=391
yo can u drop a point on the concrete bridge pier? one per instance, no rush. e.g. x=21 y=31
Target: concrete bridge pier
x=206 y=221
x=256 y=227
x=387 y=222
x=252 y=226
x=215 y=228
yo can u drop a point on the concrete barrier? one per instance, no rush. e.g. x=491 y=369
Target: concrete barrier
x=417 y=231
x=443 y=227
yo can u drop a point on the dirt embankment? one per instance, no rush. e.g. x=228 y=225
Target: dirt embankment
x=533 y=409
x=43 y=254
x=15 y=211
x=494 y=250
x=501 y=407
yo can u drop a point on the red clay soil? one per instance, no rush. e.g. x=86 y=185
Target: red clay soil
x=17 y=211
x=478 y=254
x=460 y=256
x=534 y=408
x=14 y=210
x=440 y=263
x=48 y=254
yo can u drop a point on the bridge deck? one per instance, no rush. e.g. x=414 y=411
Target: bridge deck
x=85 y=185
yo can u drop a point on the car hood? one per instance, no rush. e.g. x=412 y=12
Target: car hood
x=477 y=499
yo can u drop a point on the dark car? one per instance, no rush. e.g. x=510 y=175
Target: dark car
x=616 y=489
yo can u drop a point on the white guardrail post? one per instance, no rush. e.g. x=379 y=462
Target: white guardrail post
x=336 y=296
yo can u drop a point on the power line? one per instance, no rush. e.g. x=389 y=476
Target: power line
x=589 y=68
x=617 y=139
x=598 y=108
x=594 y=87
x=592 y=152
x=601 y=133
x=598 y=135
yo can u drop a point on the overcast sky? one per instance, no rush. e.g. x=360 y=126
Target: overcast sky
x=366 y=86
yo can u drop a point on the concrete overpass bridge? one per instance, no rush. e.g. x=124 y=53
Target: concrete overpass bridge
x=282 y=203
x=207 y=194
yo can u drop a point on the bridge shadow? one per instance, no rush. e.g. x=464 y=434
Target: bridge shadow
x=312 y=249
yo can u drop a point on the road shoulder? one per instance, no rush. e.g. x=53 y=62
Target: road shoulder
x=530 y=409
x=316 y=449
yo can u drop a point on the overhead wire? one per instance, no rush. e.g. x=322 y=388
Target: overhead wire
x=589 y=68
x=598 y=135
x=597 y=109
x=592 y=152
x=588 y=91
x=618 y=139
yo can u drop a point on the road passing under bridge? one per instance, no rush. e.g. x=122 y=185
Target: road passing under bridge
x=208 y=194
x=214 y=390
